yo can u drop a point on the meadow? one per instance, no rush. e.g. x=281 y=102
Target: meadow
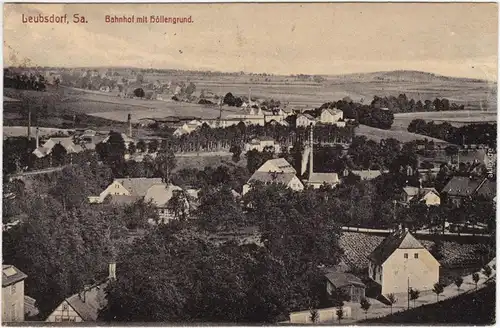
x=455 y=118
x=401 y=135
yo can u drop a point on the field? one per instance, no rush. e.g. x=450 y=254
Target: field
x=456 y=118
x=106 y=108
x=18 y=131
x=401 y=135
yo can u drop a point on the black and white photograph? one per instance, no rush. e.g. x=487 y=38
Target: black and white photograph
x=252 y=163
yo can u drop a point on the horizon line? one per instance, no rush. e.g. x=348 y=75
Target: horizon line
x=249 y=73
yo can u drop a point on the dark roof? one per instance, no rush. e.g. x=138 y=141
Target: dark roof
x=272 y=177
x=488 y=189
x=466 y=187
x=11 y=275
x=95 y=300
x=399 y=239
x=341 y=279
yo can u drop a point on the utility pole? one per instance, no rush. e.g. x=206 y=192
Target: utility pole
x=408 y=293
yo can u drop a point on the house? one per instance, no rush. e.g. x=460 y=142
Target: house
x=349 y=284
x=277 y=165
x=86 y=304
x=126 y=139
x=48 y=146
x=316 y=180
x=161 y=195
x=288 y=179
x=429 y=196
x=187 y=128
x=131 y=187
x=459 y=189
x=367 y=174
x=262 y=142
x=305 y=120
x=331 y=116
x=400 y=261
x=81 y=307
x=12 y=294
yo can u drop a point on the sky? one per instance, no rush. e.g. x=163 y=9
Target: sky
x=454 y=39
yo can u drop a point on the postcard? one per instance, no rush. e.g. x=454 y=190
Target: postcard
x=249 y=163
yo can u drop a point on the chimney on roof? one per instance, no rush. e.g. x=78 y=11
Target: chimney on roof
x=112 y=271
x=37 y=137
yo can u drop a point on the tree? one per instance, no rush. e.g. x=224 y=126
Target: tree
x=139 y=92
x=132 y=148
x=437 y=249
x=392 y=299
x=365 y=305
x=314 y=315
x=458 y=282
x=236 y=150
x=58 y=155
x=438 y=289
x=487 y=271
x=165 y=162
x=340 y=313
x=414 y=295
x=475 y=278
x=141 y=146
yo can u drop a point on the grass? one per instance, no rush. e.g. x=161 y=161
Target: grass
x=456 y=118
x=401 y=135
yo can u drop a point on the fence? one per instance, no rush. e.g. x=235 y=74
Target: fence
x=327 y=315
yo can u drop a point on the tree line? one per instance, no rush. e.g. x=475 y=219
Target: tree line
x=26 y=82
x=481 y=133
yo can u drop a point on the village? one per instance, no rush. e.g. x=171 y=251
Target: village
x=292 y=164
x=397 y=263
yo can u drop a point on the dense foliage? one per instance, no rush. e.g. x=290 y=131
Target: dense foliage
x=481 y=133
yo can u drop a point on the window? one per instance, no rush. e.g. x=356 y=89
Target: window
x=406 y=255
x=415 y=255
x=65 y=307
x=13 y=289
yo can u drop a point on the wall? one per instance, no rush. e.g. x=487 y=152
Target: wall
x=327 y=315
x=13 y=299
x=64 y=313
x=423 y=271
x=113 y=189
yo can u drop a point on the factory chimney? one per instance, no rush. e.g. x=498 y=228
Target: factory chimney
x=311 y=144
x=129 y=120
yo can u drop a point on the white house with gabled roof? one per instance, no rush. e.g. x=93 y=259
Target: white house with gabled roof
x=401 y=261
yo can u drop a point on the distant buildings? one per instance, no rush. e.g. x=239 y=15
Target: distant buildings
x=275 y=171
x=154 y=190
x=400 y=262
x=132 y=188
x=459 y=189
x=332 y=116
x=305 y=120
x=365 y=174
x=428 y=196
x=187 y=128
x=66 y=142
x=262 y=142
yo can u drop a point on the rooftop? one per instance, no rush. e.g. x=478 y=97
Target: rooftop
x=138 y=186
x=11 y=275
x=320 y=178
x=88 y=303
x=399 y=239
x=341 y=279
x=272 y=177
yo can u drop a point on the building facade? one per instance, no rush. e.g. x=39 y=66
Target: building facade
x=12 y=294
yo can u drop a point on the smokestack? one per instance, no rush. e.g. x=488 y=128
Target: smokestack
x=29 y=124
x=129 y=120
x=37 y=137
x=312 y=151
x=112 y=271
